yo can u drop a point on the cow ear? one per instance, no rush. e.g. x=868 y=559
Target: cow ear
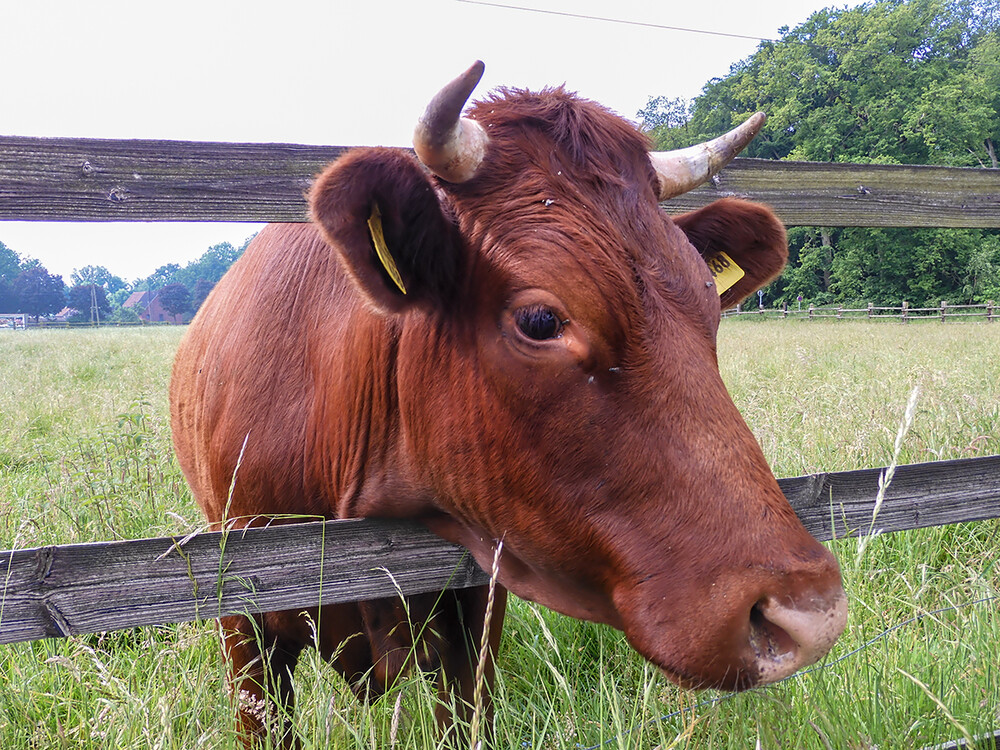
x=748 y=234
x=379 y=211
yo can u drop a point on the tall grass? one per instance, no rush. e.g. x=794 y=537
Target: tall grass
x=85 y=448
x=85 y=455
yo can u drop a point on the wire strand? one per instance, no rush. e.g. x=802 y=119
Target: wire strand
x=622 y=21
x=819 y=667
x=838 y=48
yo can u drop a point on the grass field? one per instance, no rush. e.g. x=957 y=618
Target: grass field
x=85 y=455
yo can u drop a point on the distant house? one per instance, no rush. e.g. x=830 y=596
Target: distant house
x=65 y=314
x=147 y=306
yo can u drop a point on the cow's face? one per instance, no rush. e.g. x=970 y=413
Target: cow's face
x=558 y=388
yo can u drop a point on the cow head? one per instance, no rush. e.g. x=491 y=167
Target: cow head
x=557 y=386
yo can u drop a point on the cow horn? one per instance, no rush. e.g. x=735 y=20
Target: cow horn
x=686 y=168
x=449 y=145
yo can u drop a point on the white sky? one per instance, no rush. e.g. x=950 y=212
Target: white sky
x=323 y=72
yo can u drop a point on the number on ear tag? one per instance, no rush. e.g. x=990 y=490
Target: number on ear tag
x=725 y=272
x=378 y=238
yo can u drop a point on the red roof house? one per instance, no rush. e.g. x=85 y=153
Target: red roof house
x=147 y=306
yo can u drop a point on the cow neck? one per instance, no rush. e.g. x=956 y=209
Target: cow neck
x=356 y=453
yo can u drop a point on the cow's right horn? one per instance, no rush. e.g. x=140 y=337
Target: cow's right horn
x=686 y=168
x=449 y=145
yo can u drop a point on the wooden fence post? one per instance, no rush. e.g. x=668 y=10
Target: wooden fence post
x=905 y=308
x=944 y=307
x=784 y=309
x=840 y=311
x=871 y=310
x=989 y=311
x=810 y=310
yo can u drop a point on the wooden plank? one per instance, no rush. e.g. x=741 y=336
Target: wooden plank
x=857 y=195
x=70 y=179
x=84 y=588
x=62 y=179
x=840 y=504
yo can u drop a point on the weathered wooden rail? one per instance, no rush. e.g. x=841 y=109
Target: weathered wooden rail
x=84 y=588
x=67 y=179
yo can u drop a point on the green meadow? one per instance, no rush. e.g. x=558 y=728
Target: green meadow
x=85 y=455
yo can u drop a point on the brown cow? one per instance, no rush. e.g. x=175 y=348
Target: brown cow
x=518 y=346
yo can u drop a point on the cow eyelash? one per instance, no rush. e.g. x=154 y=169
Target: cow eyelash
x=539 y=323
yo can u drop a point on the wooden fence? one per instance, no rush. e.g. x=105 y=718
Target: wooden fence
x=68 y=589
x=944 y=312
x=85 y=588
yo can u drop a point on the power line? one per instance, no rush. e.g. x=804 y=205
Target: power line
x=566 y=14
x=645 y=24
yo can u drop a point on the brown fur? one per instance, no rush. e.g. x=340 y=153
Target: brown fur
x=610 y=460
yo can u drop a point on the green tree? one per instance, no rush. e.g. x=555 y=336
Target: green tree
x=38 y=292
x=175 y=298
x=808 y=274
x=158 y=279
x=98 y=275
x=956 y=117
x=10 y=263
x=90 y=301
x=8 y=300
x=10 y=267
x=891 y=81
x=981 y=282
x=212 y=265
x=118 y=299
x=666 y=120
x=124 y=316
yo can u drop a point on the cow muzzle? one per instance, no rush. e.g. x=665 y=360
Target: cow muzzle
x=740 y=627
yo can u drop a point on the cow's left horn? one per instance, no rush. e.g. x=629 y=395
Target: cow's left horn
x=449 y=145
x=686 y=168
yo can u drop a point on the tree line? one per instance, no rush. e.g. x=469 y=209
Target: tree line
x=96 y=294
x=889 y=82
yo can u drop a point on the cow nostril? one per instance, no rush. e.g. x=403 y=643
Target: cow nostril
x=771 y=642
x=784 y=638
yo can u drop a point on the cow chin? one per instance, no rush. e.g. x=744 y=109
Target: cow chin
x=547 y=587
x=744 y=631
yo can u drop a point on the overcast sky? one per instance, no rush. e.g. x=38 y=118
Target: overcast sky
x=323 y=72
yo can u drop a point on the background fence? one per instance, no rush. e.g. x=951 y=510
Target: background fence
x=944 y=313
x=12 y=320
x=63 y=590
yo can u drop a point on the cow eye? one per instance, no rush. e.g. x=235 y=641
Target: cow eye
x=538 y=322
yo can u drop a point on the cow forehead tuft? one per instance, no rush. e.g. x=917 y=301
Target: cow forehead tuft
x=584 y=131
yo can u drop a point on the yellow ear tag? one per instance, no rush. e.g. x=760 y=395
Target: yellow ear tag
x=375 y=227
x=725 y=272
